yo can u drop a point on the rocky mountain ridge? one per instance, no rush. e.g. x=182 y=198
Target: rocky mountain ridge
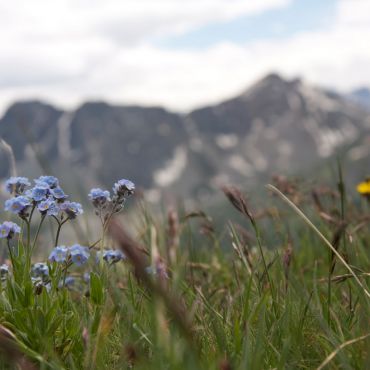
x=275 y=126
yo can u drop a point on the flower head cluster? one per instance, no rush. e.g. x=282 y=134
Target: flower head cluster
x=17 y=185
x=8 y=229
x=51 y=181
x=77 y=254
x=100 y=198
x=123 y=188
x=40 y=270
x=46 y=196
x=104 y=204
x=4 y=271
x=110 y=256
x=39 y=192
x=49 y=199
x=71 y=209
x=47 y=187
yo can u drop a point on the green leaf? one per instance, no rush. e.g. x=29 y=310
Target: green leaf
x=96 y=289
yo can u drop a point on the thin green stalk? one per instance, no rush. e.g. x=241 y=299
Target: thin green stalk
x=60 y=224
x=31 y=214
x=329 y=287
x=259 y=242
x=38 y=232
x=28 y=234
x=10 y=251
x=342 y=191
x=27 y=249
x=106 y=223
x=322 y=237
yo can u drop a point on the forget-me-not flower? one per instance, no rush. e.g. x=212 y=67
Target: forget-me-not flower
x=123 y=188
x=8 y=229
x=79 y=254
x=51 y=181
x=71 y=209
x=17 y=185
x=59 y=254
x=40 y=269
x=58 y=194
x=40 y=191
x=17 y=205
x=48 y=207
x=99 y=197
x=4 y=270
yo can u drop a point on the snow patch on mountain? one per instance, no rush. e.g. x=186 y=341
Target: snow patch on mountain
x=172 y=169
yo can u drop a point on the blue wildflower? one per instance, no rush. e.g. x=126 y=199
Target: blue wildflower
x=59 y=254
x=40 y=191
x=4 y=270
x=72 y=209
x=79 y=254
x=99 y=197
x=17 y=185
x=40 y=269
x=8 y=229
x=58 y=194
x=68 y=282
x=17 y=205
x=123 y=188
x=113 y=256
x=48 y=207
x=51 y=181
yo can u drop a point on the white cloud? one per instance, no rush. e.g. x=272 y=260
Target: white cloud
x=69 y=51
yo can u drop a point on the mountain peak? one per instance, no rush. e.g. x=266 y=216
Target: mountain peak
x=273 y=82
x=272 y=77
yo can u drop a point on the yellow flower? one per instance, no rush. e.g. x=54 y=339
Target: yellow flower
x=364 y=187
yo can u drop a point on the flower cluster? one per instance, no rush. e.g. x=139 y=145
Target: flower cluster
x=76 y=253
x=99 y=198
x=4 y=271
x=40 y=270
x=106 y=205
x=46 y=196
x=123 y=188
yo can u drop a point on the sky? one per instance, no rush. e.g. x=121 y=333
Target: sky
x=175 y=53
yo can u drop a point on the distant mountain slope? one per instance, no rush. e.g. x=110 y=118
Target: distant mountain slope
x=274 y=126
x=30 y=122
x=278 y=125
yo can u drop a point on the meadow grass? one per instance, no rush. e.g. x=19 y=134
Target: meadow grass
x=286 y=288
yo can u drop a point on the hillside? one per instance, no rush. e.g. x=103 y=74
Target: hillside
x=275 y=126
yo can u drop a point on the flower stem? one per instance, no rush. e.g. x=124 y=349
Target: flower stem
x=37 y=232
x=28 y=234
x=10 y=252
x=60 y=224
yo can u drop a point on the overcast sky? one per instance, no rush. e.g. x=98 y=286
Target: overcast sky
x=177 y=53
